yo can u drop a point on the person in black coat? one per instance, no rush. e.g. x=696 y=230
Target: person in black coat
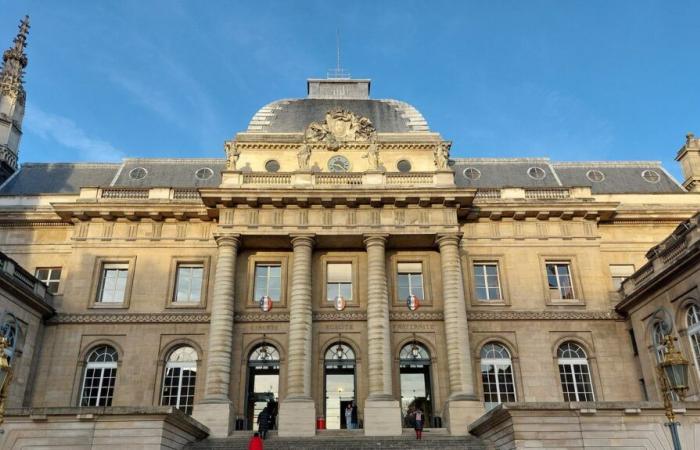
x=264 y=422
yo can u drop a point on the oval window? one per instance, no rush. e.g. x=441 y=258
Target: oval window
x=536 y=173
x=138 y=173
x=204 y=173
x=272 y=165
x=404 y=166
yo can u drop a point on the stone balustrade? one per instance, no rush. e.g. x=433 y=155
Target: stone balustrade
x=684 y=240
x=12 y=270
x=306 y=179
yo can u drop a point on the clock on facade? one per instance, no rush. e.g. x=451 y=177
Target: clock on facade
x=338 y=164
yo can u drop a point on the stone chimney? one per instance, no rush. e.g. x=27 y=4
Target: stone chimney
x=689 y=157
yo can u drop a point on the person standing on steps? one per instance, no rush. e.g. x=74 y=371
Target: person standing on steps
x=418 y=418
x=255 y=442
x=264 y=422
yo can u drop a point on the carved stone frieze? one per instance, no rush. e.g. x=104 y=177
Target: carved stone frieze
x=340 y=126
x=416 y=316
x=261 y=317
x=543 y=315
x=130 y=318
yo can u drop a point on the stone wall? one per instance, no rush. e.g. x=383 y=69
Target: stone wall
x=599 y=425
x=100 y=428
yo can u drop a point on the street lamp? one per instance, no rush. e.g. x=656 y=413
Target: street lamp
x=673 y=373
x=5 y=376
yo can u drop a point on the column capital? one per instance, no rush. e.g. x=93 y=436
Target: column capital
x=371 y=239
x=308 y=239
x=448 y=238
x=227 y=239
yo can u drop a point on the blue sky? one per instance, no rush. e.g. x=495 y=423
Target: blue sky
x=571 y=80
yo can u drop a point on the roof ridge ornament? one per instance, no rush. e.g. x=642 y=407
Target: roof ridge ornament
x=340 y=126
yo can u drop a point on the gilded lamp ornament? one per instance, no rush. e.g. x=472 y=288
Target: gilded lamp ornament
x=673 y=374
x=5 y=376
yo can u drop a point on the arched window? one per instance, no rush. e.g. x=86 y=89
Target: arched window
x=657 y=337
x=496 y=375
x=10 y=331
x=693 y=318
x=100 y=375
x=264 y=354
x=179 y=379
x=340 y=356
x=574 y=373
x=414 y=353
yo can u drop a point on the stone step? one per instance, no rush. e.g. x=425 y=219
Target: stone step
x=436 y=439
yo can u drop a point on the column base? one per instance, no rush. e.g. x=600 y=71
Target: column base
x=297 y=418
x=459 y=414
x=218 y=417
x=382 y=418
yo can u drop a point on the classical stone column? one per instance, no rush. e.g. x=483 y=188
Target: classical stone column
x=297 y=410
x=382 y=411
x=215 y=410
x=462 y=406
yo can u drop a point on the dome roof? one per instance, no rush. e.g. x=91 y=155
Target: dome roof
x=294 y=115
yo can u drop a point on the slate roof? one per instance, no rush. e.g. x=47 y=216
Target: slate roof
x=57 y=178
x=294 y=115
x=619 y=177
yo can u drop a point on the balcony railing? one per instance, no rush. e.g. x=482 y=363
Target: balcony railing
x=23 y=278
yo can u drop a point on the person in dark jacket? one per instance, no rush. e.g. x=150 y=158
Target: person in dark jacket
x=264 y=422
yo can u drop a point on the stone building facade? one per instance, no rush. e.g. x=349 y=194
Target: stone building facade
x=337 y=254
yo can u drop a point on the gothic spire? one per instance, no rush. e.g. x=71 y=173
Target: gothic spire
x=14 y=62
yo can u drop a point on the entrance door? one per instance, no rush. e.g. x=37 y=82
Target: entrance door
x=339 y=378
x=414 y=376
x=263 y=383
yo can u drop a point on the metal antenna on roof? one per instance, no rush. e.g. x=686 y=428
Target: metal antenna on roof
x=338 y=72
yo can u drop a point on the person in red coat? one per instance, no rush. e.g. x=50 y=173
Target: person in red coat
x=256 y=443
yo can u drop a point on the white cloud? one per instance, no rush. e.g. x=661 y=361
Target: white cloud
x=67 y=133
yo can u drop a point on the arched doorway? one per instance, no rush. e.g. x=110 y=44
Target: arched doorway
x=263 y=381
x=414 y=376
x=339 y=381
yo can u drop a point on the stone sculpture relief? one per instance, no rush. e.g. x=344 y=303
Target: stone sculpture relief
x=372 y=156
x=303 y=157
x=338 y=127
x=442 y=155
x=232 y=154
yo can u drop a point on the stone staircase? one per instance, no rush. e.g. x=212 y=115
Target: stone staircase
x=433 y=439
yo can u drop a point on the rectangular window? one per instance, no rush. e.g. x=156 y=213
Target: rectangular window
x=113 y=283
x=559 y=281
x=487 y=284
x=50 y=276
x=188 y=287
x=619 y=273
x=268 y=281
x=338 y=281
x=410 y=280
